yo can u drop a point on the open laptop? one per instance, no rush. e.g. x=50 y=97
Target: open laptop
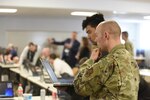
x=6 y=91
x=28 y=66
x=5 y=62
x=53 y=77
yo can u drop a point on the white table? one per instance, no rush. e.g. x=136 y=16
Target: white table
x=145 y=73
x=36 y=80
x=9 y=65
x=33 y=98
x=28 y=75
x=33 y=79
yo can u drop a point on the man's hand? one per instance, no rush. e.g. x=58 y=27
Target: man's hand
x=96 y=53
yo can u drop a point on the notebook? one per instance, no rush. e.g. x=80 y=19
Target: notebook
x=53 y=77
x=6 y=91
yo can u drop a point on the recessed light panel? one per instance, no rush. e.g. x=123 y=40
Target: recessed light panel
x=78 y=13
x=4 y=10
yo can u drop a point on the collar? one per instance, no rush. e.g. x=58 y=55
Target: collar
x=120 y=46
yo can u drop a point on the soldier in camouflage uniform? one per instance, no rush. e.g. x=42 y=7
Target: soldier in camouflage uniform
x=114 y=77
x=128 y=44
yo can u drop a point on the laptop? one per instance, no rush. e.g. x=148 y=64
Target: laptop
x=28 y=66
x=6 y=91
x=5 y=62
x=53 y=77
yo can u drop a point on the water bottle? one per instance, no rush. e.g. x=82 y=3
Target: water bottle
x=20 y=92
x=54 y=96
x=42 y=93
x=42 y=77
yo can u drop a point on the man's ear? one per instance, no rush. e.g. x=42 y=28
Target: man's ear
x=106 y=34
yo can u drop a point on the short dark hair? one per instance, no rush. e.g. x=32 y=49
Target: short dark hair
x=93 y=20
x=53 y=56
x=125 y=33
x=30 y=44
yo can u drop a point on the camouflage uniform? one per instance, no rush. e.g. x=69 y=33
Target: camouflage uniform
x=114 y=77
x=129 y=47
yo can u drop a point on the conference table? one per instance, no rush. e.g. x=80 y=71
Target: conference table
x=18 y=69
x=33 y=98
x=145 y=73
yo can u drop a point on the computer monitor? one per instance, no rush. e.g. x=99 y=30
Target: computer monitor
x=6 y=90
x=56 y=82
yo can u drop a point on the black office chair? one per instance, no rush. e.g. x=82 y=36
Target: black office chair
x=144 y=90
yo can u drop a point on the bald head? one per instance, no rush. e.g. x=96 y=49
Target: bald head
x=45 y=52
x=108 y=34
x=111 y=27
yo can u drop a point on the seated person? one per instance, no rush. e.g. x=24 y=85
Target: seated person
x=44 y=55
x=12 y=51
x=10 y=55
x=61 y=68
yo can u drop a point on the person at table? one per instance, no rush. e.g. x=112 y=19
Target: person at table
x=30 y=53
x=45 y=54
x=84 y=50
x=89 y=25
x=114 y=77
x=61 y=68
x=71 y=46
x=12 y=52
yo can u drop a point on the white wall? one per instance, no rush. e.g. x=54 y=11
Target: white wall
x=36 y=24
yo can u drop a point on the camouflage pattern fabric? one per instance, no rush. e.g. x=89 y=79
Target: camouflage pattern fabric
x=129 y=47
x=114 y=77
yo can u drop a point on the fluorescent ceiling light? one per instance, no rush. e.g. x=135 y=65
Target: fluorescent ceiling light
x=79 y=13
x=117 y=12
x=5 y=10
x=146 y=17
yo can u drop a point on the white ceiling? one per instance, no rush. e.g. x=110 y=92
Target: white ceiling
x=135 y=9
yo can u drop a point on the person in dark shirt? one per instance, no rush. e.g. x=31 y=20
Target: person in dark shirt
x=71 y=46
x=10 y=54
x=84 y=50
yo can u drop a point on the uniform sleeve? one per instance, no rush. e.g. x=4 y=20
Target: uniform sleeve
x=59 y=42
x=129 y=47
x=91 y=77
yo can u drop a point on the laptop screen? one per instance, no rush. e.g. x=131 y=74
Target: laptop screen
x=6 y=89
x=3 y=59
x=49 y=69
